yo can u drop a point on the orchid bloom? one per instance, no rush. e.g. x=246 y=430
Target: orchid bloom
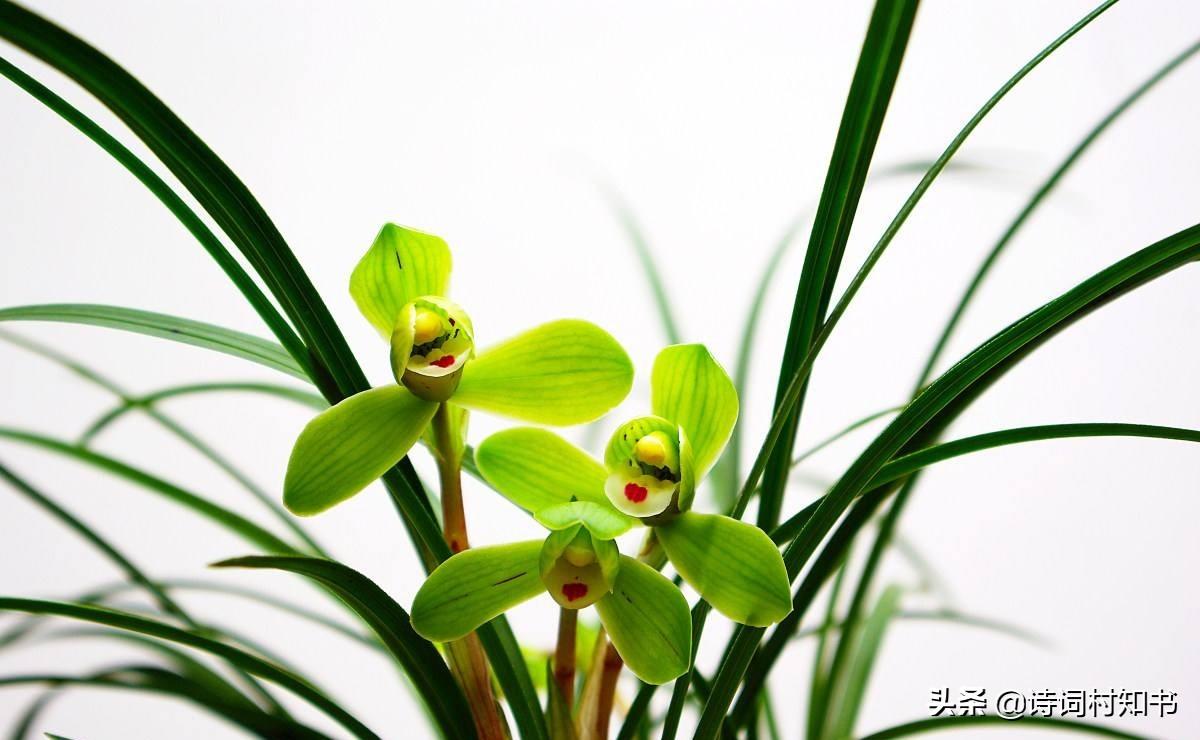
x=578 y=564
x=562 y=372
x=651 y=468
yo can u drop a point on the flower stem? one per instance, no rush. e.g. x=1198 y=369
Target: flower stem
x=564 y=655
x=449 y=459
x=608 y=688
x=466 y=656
x=599 y=690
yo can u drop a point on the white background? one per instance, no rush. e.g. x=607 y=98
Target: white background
x=491 y=124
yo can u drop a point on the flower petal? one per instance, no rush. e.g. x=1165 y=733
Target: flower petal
x=402 y=264
x=734 y=565
x=536 y=469
x=688 y=387
x=649 y=623
x=601 y=520
x=476 y=586
x=346 y=447
x=564 y=372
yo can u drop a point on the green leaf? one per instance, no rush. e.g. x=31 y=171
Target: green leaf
x=239 y=525
x=134 y=403
x=601 y=520
x=135 y=574
x=689 y=388
x=420 y=660
x=564 y=372
x=153 y=680
x=155 y=184
x=207 y=178
x=195 y=333
x=734 y=565
x=957 y=724
x=865 y=652
x=922 y=458
x=648 y=621
x=537 y=469
x=946 y=398
x=344 y=449
x=475 y=586
x=402 y=264
x=1038 y=197
x=242 y=659
x=867 y=102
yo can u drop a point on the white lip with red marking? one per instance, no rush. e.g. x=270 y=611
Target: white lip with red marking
x=637 y=494
x=442 y=323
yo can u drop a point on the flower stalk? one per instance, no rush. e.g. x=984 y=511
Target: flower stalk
x=466 y=656
x=449 y=461
x=564 y=654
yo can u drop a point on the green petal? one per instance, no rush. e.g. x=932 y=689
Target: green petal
x=537 y=469
x=601 y=520
x=649 y=623
x=734 y=565
x=349 y=445
x=402 y=264
x=564 y=372
x=474 y=587
x=688 y=387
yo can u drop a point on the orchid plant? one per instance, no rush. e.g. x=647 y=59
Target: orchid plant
x=460 y=658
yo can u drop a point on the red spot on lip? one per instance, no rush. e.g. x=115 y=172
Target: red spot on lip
x=444 y=361
x=574 y=590
x=635 y=493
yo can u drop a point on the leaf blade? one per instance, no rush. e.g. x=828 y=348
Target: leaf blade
x=162 y=326
x=391 y=623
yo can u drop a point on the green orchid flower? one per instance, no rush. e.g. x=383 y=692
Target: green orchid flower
x=651 y=468
x=578 y=564
x=561 y=373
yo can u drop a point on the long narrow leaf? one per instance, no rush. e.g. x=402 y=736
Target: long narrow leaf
x=148 y=679
x=870 y=92
x=155 y=184
x=235 y=523
x=937 y=724
x=196 y=333
x=866 y=651
x=947 y=397
x=901 y=498
x=421 y=661
x=113 y=415
x=146 y=403
x=135 y=574
x=244 y=660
